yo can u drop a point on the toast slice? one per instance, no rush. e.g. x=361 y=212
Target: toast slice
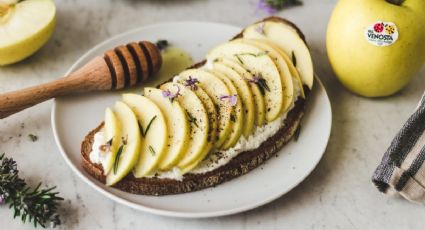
x=237 y=166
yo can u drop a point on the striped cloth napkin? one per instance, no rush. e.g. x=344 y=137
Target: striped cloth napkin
x=402 y=169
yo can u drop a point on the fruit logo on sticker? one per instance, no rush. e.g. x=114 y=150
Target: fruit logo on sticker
x=378 y=27
x=381 y=33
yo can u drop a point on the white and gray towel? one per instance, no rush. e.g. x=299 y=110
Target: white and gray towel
x=402 y=169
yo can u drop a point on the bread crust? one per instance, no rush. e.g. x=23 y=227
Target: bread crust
x=243 y=163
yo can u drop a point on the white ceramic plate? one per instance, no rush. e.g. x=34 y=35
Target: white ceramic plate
x=73 y=117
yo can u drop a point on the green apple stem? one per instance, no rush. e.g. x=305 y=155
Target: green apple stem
x=396 y=2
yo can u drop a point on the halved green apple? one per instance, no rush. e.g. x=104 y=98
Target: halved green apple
x=261 y=65
x=288 y=39
x=216 y=89
x=154 y=131
x=24 y=28
x=128 y=153
x=198 y=119
x=285 y=74
x=237 y=117
x=244 y=92
x=112 y=134
x=177 y=125
x=259 y=105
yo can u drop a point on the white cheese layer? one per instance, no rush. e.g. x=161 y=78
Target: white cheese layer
x=98 y=156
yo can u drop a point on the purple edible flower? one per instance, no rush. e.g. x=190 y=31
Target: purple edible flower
x=255 y=79
x=260 y=28
x=233 y=99
x=170 y=95
x=2 y=200
x=264 y=6
x=191 y=82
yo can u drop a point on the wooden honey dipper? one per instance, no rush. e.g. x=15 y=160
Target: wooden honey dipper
x=122 y=67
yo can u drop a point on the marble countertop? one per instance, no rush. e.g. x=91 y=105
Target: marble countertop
x=337 y=195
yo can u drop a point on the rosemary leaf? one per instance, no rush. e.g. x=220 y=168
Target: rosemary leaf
x=294 y=59
x=152 y=150
x=117 y=158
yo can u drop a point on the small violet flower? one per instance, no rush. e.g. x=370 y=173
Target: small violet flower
x=167 y=93
x=191 y=83
x=264 y=6
x=255 y=79
x=260 y=28
x=2 y=200
x=233 y=99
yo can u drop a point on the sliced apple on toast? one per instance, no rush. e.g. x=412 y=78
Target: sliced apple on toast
x=294 y=72
x=216 y=89
x=285 y=74
x=237 y=117
x=112 y=134
x=177 y=125
x=264 y=70
x=211 y=110
x=154 y=132
x=259 y=104
x=244 y=92
x=128 y=153
x=287 y=38
x=197 y=117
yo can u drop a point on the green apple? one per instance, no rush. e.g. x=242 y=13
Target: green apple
x=215 y=88
x=154 y=132
x=374 y=68
x=261 y=65
x=25 y=27
x=128 y=153
x=177 y=125
x=198 y=119
x=237 y=117
x=112 y=133
x=260 y=108
x=290 y=40
x=244 y=92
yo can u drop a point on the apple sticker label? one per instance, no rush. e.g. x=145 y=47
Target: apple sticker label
x=381 y=33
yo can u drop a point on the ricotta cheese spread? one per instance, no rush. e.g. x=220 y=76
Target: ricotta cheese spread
x=98 y=156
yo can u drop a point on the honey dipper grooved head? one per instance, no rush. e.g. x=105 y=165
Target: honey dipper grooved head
x=132 y=63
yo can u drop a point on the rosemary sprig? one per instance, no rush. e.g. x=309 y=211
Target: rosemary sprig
x=191 y=119
x=147 y=127
x=294 y=59
x=117 y=158
x=38 y=206
x=152 y=150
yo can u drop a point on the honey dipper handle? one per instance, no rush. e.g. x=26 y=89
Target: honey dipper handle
x=91 y=77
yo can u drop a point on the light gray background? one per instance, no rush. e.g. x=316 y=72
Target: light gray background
x=337 y=195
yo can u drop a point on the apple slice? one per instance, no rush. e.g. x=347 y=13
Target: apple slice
x=198 y=119
x=216 y=89
x=294 y=72
x=287 y=38
x=211 y=111
x=177 y=125
x=24 y=28
x=112 y=133
x=256 y=93
x=262 y=67
x=285 y=74
x=244 y=92
x=128 y=153
x=153 y=129
x=237 y=117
